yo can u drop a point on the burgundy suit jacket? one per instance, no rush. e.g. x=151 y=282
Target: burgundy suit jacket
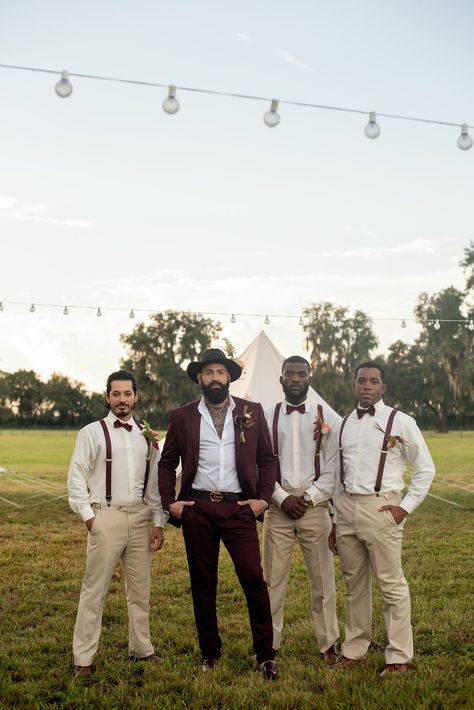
x=255 y=460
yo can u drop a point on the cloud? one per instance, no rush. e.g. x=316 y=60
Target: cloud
x=291 y=59
x=242 y=37
x=416 y=246
x=11 y=208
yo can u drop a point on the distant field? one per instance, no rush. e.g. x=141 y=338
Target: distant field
x=42 y=553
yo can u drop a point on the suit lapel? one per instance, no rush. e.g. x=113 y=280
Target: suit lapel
x=195 y=428
x=236 y=412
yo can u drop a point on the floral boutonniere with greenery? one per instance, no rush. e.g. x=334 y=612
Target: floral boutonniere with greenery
x=321 y=429
x=150 y=434
x=392 y=440
x=244 y=421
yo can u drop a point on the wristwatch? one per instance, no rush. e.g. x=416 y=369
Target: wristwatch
x=307 y=498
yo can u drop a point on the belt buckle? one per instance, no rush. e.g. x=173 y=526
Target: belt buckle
x=216 y=496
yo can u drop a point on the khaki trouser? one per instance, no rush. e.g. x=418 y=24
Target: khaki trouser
x=279 y=536
x=369 y=539
x=118 y=533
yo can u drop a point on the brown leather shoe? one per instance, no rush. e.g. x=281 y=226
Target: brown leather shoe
x=331 y=656
x=396 y=668
x=345 y=662
x=269 y=670
x=210 y=664
x=82 y=671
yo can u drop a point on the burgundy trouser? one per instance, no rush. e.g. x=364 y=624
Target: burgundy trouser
x=205 y=524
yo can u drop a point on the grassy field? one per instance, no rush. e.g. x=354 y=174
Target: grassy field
x=42 y=554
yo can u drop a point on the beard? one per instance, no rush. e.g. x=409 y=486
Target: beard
x=213 y=394
x=294 y=397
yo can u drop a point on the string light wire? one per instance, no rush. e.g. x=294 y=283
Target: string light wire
x=235 y=95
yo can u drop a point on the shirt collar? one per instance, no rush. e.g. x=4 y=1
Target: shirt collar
x=305 y=402
x=202 y=406
x=111 y=418
x=378 y=405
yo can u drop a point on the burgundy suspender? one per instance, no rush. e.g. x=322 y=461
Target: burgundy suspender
x=275 y=441
x=383 y=453
x=108 y=463
x=147 y=468
x=317 y=451
x=341 y=458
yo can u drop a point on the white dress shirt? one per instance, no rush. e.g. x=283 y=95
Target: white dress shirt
x=86 y=476
x=216 y=469
x=297 y=449
x=361 y=445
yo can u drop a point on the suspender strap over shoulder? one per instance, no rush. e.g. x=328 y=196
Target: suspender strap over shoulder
x=317 y=450
x=147 y=468
x=383 y=453
x=275 y=441
x=341 y=457
x=108 y=462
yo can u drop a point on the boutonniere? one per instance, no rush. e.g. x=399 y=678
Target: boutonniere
x=244 y=421
x=392 y=441
x=150 y=434
x=321 y=429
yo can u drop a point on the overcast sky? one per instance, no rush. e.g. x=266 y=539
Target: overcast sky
x=107 y=201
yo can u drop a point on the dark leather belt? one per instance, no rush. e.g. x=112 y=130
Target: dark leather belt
x=215 y=496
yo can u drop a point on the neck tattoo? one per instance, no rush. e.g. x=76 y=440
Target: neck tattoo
x=218 y=415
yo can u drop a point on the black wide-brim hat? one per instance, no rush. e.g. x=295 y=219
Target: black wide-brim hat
x=214 y=355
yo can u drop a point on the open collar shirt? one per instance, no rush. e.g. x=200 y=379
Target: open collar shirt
x=86 y=476
x=216 y=469
x=297 y=451
x=361 y=446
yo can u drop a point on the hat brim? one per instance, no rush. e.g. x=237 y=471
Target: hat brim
x=233 y=368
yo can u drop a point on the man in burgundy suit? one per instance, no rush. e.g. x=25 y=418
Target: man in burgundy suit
x=228 y=476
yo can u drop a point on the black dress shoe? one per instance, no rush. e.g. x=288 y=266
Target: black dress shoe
x=269 y=670
x=209 y=664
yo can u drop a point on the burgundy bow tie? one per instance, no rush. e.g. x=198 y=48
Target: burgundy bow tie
x=370 y=410
x=300 y=408
x=118 y=424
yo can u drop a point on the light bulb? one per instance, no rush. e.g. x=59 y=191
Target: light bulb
x=131 y=314
x=272 y=118
x=32 y=308
x=165 y=316
x=335 y=323
x=372 y=129
x=199 y=317
x=470 y=326
x=233 y=318
x=403 y=324
x=267 y=320
x=65 y=311
x=99 y=313
x=64 y=87
x=301 y=321
x=1 y=306
x=437 y=325
x=171 y=103
x=464 y=140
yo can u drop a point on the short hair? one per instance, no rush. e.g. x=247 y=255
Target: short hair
x=121 y=375
x=371 y=363
x=296 y=358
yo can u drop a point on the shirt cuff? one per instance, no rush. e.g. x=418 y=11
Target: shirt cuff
x=279 y=496
x=159 y=520
x=264 y=501
x=86 y=512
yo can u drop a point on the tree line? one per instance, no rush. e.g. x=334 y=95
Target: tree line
x=432 y=379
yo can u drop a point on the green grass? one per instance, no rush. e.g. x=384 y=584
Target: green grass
x=42 y=555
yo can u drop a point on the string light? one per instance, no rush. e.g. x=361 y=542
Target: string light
x=171 y=103
x=64 y=87
x=199 y=316
x=272 y=118
x=464 y=140
x=372 y=129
